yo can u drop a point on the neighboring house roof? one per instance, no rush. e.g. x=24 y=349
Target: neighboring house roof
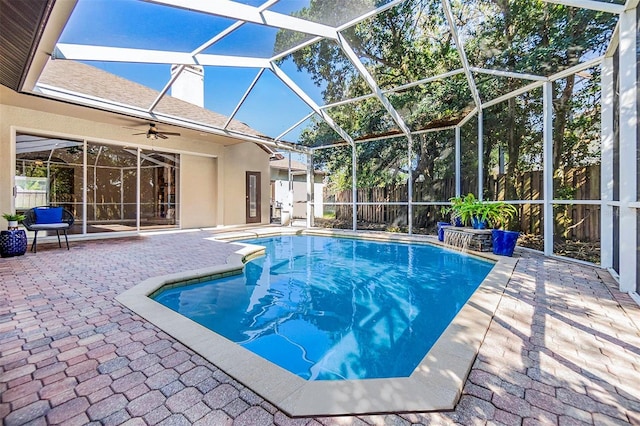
x=283 y=163
x=296 y=166
x=82 y=78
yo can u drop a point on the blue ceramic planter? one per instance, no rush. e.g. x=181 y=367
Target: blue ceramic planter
x=13 y=243
x=476 y=223
x=504 y=242
x=441 y=226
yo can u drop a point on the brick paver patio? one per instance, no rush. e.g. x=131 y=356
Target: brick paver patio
x=563 y=348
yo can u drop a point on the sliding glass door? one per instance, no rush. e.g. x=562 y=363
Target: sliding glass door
x=126 y=189
x=49 y=171
x=111 y=188
x=158 y=190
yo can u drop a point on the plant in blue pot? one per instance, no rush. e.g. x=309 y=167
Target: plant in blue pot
x=13 y=241
x=499 y=214
x=468 y=210
x=13 y=219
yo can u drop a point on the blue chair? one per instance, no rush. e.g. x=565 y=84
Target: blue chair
x=48 y=218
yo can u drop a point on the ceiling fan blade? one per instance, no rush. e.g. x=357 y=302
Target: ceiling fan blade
x=170 y=133
x=143 y=133
x=161 y=135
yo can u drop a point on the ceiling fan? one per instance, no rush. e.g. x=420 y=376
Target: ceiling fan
x=154 y=133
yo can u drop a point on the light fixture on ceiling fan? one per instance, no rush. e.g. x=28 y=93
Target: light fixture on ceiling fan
x=154 y=133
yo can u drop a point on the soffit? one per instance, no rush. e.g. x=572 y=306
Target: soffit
x=22 y=26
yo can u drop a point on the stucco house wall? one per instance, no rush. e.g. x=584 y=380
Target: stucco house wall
x=238 y=160
x=199 y=191
x=221 y=166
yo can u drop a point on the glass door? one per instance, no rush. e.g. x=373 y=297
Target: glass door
x=253 y=197
x=49 y=172
x=159 y=200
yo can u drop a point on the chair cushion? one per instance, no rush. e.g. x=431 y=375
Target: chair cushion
x=48 y=215
x=49 y=226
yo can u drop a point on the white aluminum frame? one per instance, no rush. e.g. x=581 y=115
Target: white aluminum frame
x=624 y=37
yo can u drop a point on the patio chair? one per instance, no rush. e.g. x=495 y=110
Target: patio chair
x=48 y=218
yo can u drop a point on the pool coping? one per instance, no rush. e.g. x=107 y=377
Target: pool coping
x=435 y=385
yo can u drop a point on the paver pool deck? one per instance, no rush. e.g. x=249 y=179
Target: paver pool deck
x=562 y=348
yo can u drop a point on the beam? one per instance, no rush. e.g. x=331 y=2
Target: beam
x=311 y=202
x=463 y=55
x=468 y=117
x=243 y=12
x=606 y=169
x=81 y=52
x=397 y=88
x=599 y=6
x=458 y=161
x=629 y=144
x=425 y=80
x=547 y=166
x=299 y=122
x=373 y=85
x=508 y=74
x=244 y=97
x=410 y=184
x=576 y=68
x=371 y=14
x=307 y=99
x=480 y=156
x=613 y=42
x=348 y=101
x=354 y=188
x=517 y=92
x=166 y=87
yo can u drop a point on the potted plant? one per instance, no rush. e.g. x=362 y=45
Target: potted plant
x=467 y=210
x=13 y=241
x=499 y=214
x=13 y=219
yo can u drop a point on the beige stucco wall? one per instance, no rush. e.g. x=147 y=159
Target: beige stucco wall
x=198 y=191
x=223 y=165
x=238 y=160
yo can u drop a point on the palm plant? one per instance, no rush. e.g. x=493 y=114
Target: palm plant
x=13 y=217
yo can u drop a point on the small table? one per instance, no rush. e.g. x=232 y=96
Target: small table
x=13 y=243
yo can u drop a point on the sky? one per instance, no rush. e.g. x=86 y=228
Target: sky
x=271 y=108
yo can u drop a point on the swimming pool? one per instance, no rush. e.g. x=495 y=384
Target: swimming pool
x=436 y=383
x=328 y=308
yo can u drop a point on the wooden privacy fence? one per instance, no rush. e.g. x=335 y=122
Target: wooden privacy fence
x=575 y=221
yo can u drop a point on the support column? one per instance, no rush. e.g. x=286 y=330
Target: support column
x=354 y=188
x=458 y=160
x=547 y=164
x=410 y=184
x=606 y=165
x=290 y=192
x=480 y=156
x=85 y=175
x=138 y=187
x=628 y=151
x=310 y=193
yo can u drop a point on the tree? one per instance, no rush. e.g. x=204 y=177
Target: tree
x=411 y=41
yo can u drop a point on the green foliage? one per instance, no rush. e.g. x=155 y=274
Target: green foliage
x=463 y=208
x=411 y=41
x=498 y=214
x=10 y=217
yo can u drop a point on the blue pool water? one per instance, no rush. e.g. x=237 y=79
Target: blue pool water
x=335 y=308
